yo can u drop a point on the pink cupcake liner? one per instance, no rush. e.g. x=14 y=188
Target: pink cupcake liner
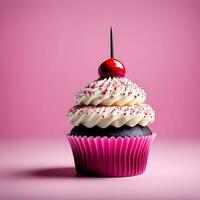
x=113 y=157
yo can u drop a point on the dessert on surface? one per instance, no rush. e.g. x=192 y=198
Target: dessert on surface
x=111 y=136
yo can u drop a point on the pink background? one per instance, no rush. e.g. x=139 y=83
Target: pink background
x=50 y=49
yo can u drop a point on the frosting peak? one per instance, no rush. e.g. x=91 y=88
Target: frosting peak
x=111 y=92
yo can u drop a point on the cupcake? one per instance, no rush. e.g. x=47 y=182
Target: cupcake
x=111 y=137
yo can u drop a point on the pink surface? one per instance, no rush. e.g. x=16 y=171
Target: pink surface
x=50 y=49
x=44 y=169
x=111 y=157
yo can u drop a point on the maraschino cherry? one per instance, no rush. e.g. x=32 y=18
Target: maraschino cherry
x=111 y=67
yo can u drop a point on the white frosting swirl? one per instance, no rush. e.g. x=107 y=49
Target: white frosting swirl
x=111 y=91
x=116 y=116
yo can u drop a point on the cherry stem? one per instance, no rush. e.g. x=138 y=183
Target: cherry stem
x=111 y=44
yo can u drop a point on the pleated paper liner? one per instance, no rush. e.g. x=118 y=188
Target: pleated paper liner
x=113 y=157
